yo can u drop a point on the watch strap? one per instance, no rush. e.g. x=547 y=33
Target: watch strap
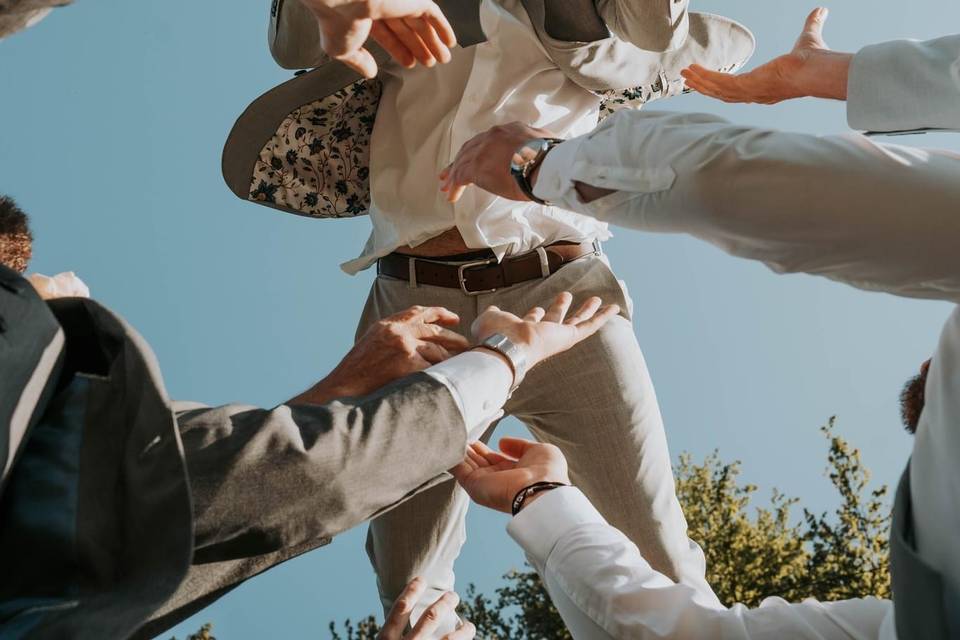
x=505 y=347
x=522 y=171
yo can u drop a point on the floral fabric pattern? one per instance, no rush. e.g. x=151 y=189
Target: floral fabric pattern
x=318 y=162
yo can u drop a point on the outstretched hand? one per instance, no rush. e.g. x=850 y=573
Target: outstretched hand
x=410 y=31
x=809 y=69
x=398 y=345
x=542 y=333
x=492 y=478
x=399 y=616
x=484 y=161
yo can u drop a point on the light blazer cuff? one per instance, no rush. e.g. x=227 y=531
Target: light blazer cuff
x=905 y=85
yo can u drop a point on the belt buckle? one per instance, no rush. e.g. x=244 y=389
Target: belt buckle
x=462 y=278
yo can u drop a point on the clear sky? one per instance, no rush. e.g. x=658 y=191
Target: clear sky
x=113 y=116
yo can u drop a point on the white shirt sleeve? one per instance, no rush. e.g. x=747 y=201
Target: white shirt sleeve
x=905 y=85
x=604 y=589
x=480 y=383
x=878 y=217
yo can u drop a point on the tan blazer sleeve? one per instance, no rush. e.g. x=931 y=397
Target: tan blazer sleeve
x=654 y=25
x=294 y=36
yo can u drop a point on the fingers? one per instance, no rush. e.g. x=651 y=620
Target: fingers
x=535 y=315
x=466 y=631
x=387 y=39
x=589 y=327
x=455 y=192
x=431 y=315
x=558 y=310
x=515 y=447
x=812 y=34
x=399 y=615
x=411 y=41
x=722 y=86
x=441 y=25
x=449 y=340
x=476 y=458
x=430 y=38
x=433 y=616
x=360 y=61
x=585 y=312
x=432 y=352
x=462 y=471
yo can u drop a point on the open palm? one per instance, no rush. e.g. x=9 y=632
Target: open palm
x=546 y=332
x=492 y=479
x=788 y=76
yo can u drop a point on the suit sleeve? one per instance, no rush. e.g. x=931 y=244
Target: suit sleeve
x=268 y=479
x=905 y=85
x=294 y=36
x=879 y=217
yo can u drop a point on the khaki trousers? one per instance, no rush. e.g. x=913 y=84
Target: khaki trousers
x=596 y=402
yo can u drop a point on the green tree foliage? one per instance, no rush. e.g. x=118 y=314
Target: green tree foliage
x=752 y=551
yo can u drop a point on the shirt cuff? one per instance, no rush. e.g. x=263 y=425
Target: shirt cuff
x=555 y=179
x=480 y=384
x=540 y=526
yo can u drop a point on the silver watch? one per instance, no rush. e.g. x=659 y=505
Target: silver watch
x=514 y=355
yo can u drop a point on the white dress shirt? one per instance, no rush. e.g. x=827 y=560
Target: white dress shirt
x=878 y=217
x=425 y=116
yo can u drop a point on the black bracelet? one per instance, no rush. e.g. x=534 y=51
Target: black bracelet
x=530 y=490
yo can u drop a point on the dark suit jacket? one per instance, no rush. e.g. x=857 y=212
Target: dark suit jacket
x=123 y=514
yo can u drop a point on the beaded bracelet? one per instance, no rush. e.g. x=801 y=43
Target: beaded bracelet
x=530 y=490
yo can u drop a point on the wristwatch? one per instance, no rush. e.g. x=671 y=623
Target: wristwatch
x=526 y=159
x=514 y=355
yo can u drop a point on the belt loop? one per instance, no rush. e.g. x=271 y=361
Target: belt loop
x=544 y=262
x=412 y=266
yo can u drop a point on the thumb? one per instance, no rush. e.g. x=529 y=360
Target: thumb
x=461 y=471
x=812 y=35
x=360 y=61
x=516 y=447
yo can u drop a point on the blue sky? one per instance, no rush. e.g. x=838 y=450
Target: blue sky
x=113 y=117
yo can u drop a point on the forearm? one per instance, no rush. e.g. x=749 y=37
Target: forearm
x=603 y=588
x=877 y=217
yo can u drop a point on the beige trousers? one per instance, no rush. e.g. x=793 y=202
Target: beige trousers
x=596 y=402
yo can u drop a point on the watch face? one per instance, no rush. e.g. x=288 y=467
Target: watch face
x=526 y=153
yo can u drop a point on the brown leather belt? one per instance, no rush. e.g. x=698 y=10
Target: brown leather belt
x=485 y=275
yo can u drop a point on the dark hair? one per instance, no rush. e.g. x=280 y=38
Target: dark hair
x=16 y=241
x=913 y=398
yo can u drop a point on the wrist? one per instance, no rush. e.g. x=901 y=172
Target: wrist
x=325 y=391
x=530 y=492
x=502 y=358
x=827 y=76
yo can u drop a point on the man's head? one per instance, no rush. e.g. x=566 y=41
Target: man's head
x=912 y=398
x=16 y=242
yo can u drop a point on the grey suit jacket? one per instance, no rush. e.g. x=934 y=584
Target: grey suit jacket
x=124 y=512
